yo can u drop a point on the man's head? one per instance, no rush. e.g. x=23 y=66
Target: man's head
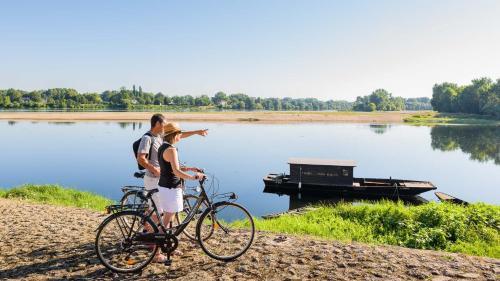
x=157 y=123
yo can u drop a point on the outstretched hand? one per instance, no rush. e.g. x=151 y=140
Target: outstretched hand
x=203 y=132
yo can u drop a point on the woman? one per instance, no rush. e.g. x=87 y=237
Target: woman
x=169 y=199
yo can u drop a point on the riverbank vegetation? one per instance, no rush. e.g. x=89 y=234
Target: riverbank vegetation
x=482 y=97
x=137 y=99
x=429 y=118
x=57 y=195
x=473 y=229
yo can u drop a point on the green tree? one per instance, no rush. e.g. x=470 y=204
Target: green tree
x=469 y=99
x=490 y=101
x=159 y=99
x=372 y=106
x=202 y=100
x=219 y=98
x=6 y=102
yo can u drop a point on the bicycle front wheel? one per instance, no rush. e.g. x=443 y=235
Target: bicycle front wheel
x=231 y=231
x=117 y=246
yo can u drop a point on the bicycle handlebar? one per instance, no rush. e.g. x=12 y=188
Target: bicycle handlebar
x=202 y=181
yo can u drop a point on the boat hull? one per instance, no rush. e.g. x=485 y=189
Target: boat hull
x=369 y=187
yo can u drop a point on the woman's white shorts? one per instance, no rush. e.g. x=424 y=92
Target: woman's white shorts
x=168 y=200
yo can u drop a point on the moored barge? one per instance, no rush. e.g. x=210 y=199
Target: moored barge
x=336 y=177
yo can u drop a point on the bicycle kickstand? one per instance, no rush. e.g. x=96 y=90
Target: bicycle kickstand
x=168 y=262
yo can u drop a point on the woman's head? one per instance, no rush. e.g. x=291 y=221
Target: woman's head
x=172 y=133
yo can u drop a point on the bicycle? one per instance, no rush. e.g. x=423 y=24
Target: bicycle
x=131 y=198
x=123 y=243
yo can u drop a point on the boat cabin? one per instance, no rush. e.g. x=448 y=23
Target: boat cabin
x=321 y=171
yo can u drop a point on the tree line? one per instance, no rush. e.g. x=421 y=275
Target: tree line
x=482 y=96
x=61 y=98
x=382 y=100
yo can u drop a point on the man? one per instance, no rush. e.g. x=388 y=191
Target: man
x=155 y=140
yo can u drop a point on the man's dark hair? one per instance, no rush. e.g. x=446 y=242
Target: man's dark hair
x=158 y=117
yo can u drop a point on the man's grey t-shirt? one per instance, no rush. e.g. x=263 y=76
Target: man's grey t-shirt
x=145 y=145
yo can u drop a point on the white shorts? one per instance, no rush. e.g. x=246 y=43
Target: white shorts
x=150 y=182
x=168 y=199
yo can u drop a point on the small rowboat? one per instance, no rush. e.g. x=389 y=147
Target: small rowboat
x=443 y=197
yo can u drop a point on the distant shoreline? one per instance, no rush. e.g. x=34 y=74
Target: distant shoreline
x=419 y=118
x=259 y=116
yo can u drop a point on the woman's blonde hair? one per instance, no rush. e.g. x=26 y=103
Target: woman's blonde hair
x=170 y=137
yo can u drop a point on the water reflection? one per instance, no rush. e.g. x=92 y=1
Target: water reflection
x=134 y=125
x=62 y=123
x=300 y=200
x=482 y=143
x=380 y=128
x=124 y=125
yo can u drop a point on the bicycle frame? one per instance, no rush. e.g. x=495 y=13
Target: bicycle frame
x=203 y=197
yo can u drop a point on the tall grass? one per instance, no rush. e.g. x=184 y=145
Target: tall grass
x=57 y=195
x=474 y=229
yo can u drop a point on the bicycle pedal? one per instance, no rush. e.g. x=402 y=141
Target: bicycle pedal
x=168 y=263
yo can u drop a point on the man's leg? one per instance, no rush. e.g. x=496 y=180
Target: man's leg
x=149 y=184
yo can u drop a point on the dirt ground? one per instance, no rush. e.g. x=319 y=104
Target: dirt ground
x=266 y=117
x=42 y=242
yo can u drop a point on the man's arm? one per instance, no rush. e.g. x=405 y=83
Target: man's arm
x=143 y=160
x=187 y=134
x=144 y=149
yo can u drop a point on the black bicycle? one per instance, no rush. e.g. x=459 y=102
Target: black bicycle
x=128 y=240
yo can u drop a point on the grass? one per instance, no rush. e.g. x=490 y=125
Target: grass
x=473 y=230
x=57 y=195
x=434 y=118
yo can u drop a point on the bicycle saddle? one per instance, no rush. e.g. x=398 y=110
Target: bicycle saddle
x=139 y=174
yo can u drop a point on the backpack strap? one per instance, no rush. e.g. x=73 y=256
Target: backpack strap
x=151 y=146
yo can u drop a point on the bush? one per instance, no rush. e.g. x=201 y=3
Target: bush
x=473 y=229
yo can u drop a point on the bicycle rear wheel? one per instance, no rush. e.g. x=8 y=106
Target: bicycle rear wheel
x=131 y=198
x=116 y=242
x=231 y=229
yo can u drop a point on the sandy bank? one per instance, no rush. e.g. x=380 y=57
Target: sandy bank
x=42 y=242
x=362 y=117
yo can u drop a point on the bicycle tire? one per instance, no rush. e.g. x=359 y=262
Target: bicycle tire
x=107 y=222
x=130 y=193
x=212 y=212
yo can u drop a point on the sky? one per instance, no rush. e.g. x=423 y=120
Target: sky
x=323 y=49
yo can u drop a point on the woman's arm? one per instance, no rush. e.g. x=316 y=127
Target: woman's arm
x=192 y=169
x=170 y=155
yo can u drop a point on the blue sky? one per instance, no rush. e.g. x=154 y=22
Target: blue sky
x=323 y=49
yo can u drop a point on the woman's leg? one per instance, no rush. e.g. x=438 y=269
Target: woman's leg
x=167 y=218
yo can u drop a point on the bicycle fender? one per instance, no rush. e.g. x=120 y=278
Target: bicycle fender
x=207 y=210
x=110 y=217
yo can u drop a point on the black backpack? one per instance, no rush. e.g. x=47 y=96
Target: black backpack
x=135 y=147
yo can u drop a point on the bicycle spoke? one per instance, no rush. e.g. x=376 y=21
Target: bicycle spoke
x=230 y=231
x=121 y=252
